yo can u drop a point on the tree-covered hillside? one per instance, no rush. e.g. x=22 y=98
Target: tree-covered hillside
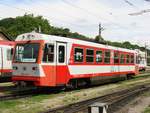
x=27 y=23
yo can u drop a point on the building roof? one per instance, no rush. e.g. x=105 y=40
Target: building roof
x=7 y=37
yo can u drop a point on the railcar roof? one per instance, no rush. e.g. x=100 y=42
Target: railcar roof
x=10 y=43
x=52 y=38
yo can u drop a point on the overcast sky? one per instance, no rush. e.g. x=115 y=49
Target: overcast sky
x=122 y=19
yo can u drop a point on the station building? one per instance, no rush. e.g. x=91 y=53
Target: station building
x=5 y=37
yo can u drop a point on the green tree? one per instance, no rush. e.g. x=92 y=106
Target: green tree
x=99 y=38
x=23 y=24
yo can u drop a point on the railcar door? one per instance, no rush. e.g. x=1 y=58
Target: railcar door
x=7 y=59
x=61 y=63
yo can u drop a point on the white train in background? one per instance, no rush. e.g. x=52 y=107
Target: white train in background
x=141 y=60
x=6 y=53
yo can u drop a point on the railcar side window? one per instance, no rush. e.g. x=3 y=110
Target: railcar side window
x=99 y=57
x=132 y=59
x=138 y=59
x=9 y=55
x=48 y=55
x=78 y=55
x=89 y=55
x=107 y=57
x=122 y=59
x=127 y=59
x=61 y=56
x=116 y=57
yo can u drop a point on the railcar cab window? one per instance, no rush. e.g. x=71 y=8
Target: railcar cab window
x=89 y=55
x=107 y=57
x=122 y=59
x=48 y=55
x=27 y=52
x=116 y=57
x=78 y=55
x=99 y=57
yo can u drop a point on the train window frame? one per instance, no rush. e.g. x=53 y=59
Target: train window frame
x=20 y=47
x=138 y=59
x=116 y=58
x=88 y=57
x=122 y=59
x=132 y=59
x=61 y=59
x=9 y=54
x=101 y=57
x=127 y=58
x=106 y=58
x=82 y=56
x=51 y=53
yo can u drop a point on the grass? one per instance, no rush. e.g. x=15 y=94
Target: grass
x=9 y=104
x=147 y=110
x=41 y=97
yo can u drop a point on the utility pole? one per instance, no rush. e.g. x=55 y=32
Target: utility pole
x=39 y=29
x=146 y=55
x=100 y=29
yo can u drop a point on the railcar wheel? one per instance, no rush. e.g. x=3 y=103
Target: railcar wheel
x=78 y=83
x=73 y=84
x=130 y=76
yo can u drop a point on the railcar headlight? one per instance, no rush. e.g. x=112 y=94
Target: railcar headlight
x=34 y=68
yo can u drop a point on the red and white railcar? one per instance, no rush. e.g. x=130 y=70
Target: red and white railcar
x=46 y=60
x=6 y=52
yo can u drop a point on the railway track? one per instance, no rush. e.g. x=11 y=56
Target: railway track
x=5 y=79
x=112 y=99
x=27 y=92
x=20 y=94
x=23 y=93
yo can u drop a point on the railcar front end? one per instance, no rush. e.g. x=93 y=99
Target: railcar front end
x=35 y=63
x=28 y=66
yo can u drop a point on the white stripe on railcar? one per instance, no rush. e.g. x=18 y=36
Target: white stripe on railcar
x=75 y=70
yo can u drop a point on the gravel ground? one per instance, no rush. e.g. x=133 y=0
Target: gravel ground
x=138 y=105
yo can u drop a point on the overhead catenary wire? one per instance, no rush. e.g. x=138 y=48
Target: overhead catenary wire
x=83 y=9
x=147 y=0
x=59 y=20
x=137 y=13
x=63 y=21
x=140 y=12
x=95 y=15
x=129 y=3
x=91 y=14
x=44 y=6
x=31 y=12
